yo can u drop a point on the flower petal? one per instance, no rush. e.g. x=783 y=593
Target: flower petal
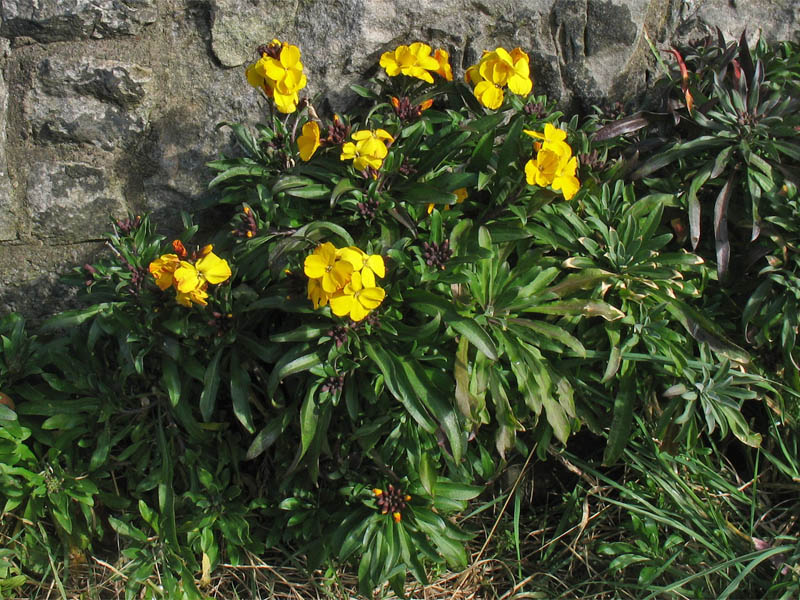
x=213 y=268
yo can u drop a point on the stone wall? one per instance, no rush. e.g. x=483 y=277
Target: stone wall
x=110 y=106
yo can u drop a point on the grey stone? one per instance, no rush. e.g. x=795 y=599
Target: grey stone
x=123 y=84
x=29 y=277
x=238 y=28
x=96 y=102
x=8 y=229
x=59 y=20
x=72 y=201
x=82 y=120
x=775 y=20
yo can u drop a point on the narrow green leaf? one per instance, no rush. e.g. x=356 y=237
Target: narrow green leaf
x=622 y=420
x=211 y=379
x=308 y=420
x=266 y=437
x=427 y=473
x=240 y=392
x=171 y=379
x=243 y=171
x=343 y=186
x=399 y=386
x=291 y=364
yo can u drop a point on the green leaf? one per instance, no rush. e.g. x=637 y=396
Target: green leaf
x=398 y=385
x=240 y=392
x=72 y=318
x=267 y=436
x=291 y=182
x=587 y=308
x=63 y=421
x=126 y=529
x=457 y=491
x=242 y=171
x=342 y=187
x=290 y=364
x=678 y=150
x=554 y=332
x=510 y=150
x=433 y=305
x=557 y=418
x=304 y=333
x=171 y=379
x=314 y=191
x=622 y=420
x=208 y=397
x=308 y=420
x=427 y=473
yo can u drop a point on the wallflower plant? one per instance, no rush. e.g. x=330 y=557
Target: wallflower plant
x=413 y=297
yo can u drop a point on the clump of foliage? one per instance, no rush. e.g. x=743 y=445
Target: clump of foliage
x=406 y=299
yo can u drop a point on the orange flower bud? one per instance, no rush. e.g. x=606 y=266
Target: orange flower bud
x=180 y=250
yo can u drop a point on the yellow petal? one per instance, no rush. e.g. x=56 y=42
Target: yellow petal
x=489 y=95
x=290 y=55
x=308 y=142
x=357 y=312
x=340 y=305
x=353 y=255
x=213 y=268
x=371 y=297
x=520 y=85
x=376 y=265
x=186 y=277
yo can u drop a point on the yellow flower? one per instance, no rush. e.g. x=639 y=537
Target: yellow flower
x=316 y=294
x=209 y=268
x=489 y=94
x=413 y=61
x=369 y=265
x=565 y=179
x=520 y=81
x=497 y=70
x=554 y=165
x=443 y=58
x=553 y=139
x=472 y=75
x=369 y=150
x=356 y=300
x=323 y=265
x=197 y=295
x=541 y=170
x=163 y=269
x=308 y=142
x=280 y=76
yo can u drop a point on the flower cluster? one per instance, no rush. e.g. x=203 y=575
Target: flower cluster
x=345 y=279
x=416 y=61
x=279 y=73
x=497 y=70
x=554 y=164
x=392 y=500
x=368 y=150
x=190 y=278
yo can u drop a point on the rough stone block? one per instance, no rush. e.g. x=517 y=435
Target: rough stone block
x=72 y=201
x=90 y=101
x=59 y=20
x=8 y=229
